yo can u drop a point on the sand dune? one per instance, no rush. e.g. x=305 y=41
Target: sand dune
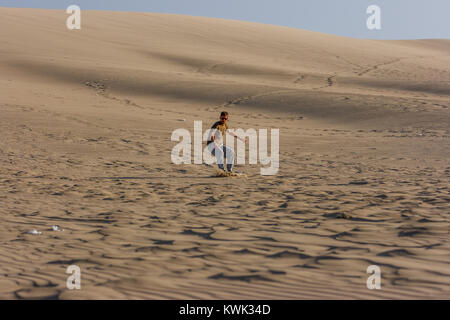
x=85 y=130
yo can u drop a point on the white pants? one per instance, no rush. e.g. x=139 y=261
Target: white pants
x=220 y=152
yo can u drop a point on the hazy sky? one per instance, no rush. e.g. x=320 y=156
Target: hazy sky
x=400 y=19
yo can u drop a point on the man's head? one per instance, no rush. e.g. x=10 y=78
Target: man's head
x=223 y=117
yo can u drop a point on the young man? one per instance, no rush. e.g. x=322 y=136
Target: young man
x=215 y=143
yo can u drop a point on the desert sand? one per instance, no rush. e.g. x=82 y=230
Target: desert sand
x=85 y=128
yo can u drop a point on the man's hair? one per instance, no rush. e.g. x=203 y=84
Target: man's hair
x=224 y=113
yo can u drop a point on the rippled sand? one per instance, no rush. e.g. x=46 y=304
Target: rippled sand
x=86 y=121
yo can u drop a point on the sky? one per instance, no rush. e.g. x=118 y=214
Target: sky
x=400 y=19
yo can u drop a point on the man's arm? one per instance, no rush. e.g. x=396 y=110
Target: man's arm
x=213 y=131
x=234 y=135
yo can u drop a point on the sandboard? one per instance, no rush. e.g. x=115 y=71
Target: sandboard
x=224 y=174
